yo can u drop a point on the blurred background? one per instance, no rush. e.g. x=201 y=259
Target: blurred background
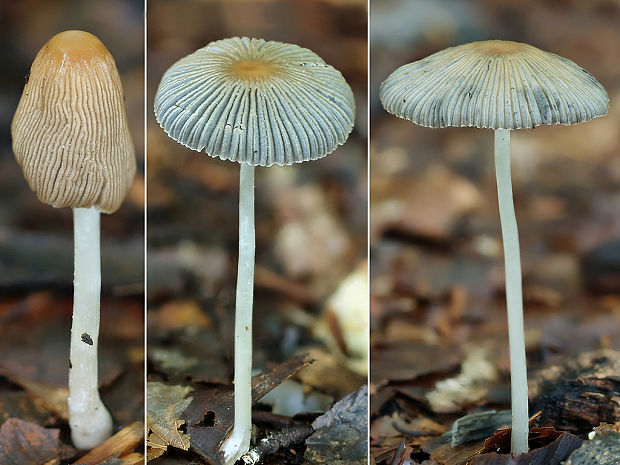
x=310 y=218
x=36 y=240
x=437 y=289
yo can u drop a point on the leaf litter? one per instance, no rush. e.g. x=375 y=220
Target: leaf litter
x=437 y=278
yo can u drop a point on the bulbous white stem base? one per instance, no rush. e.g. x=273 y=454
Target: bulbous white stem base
x=514 y=294
x=238 y=443
x=91 y=426
x=90 y=421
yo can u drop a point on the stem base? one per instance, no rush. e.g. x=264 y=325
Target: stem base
x=236 y=445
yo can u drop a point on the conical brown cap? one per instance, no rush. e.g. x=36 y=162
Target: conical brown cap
x=256 y=102
x=493 y=84
x=70 y=131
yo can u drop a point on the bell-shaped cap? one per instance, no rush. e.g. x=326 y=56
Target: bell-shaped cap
x=255 y=102
x=493 y=84
x=70 y=130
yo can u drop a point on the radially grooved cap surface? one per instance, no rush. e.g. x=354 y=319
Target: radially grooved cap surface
x=493 y=84
x=255 y=102
x=70 y=130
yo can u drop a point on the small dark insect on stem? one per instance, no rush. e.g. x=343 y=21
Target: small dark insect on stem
x=87 y=339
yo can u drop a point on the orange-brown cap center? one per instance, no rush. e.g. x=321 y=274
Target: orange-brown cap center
x=499 y=47
x=252 y=69
x=76 y=46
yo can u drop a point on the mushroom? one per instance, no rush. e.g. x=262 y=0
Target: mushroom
x=500 y=85
x=258 y=103
x=71 y=138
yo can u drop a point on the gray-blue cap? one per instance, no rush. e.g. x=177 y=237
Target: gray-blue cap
x=255 y=102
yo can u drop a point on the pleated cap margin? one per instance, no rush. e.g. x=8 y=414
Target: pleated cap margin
x=255 y=102
x=493 y=84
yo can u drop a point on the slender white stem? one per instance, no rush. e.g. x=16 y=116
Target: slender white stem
x=514 y=297
x=90 y=421
x=238 y=443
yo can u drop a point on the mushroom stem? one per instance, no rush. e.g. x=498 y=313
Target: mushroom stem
x=514 y=297
x=238 y=443
x=90 y=421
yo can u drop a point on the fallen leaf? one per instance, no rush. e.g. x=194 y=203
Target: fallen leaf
x=197 y=356
x=134 y=458
x=440 y=450
x=403 y=360
x=22 y=442
x=25 y=407
x=419 y=426
x=431 y=207
x=171 y=360
x=53 y=397
x=341 y=434
x=329 y=375
x=210 y=416
x=179 y=315
x=153 y=453
x=165 y=406
x=551 y=454
x=538 y=437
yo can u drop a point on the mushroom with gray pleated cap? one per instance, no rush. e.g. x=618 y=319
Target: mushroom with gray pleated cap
x=500 y=85
x=71 y=138
x=258 y=103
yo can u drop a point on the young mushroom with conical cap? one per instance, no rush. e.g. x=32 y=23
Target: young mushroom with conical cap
x=500 y=85
x=71 y=138
x=258 y=103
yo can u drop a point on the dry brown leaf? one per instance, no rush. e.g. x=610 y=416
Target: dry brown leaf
x=553 y=453
x=210 y=416
x=341 y=434
x=179 y=314
x=22 y=442
x=164 y=408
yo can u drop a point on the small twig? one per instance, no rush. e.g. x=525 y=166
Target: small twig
x=287 y=437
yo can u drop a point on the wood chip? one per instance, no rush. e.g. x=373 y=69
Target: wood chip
x=122 y=443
